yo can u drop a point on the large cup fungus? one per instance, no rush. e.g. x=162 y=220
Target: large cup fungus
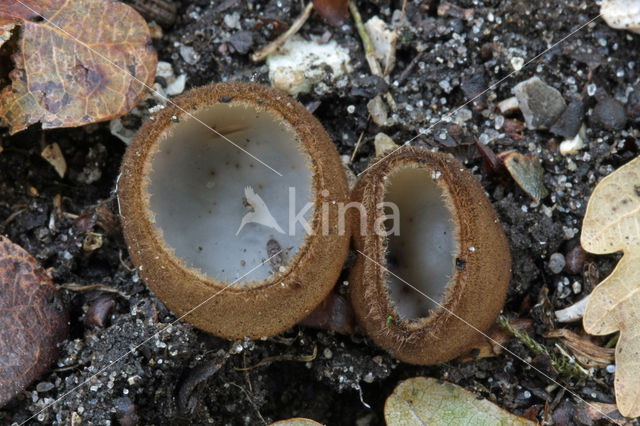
x=244 y=218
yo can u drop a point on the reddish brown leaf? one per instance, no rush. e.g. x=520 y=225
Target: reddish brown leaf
x=79 y=61
x=334 y=11
x=32 y=320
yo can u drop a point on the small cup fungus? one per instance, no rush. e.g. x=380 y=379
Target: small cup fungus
x=447 y=243
x=246 y=218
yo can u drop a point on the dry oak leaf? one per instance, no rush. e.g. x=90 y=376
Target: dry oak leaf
x=612 y=224
x=32 y=320
x=78 y=62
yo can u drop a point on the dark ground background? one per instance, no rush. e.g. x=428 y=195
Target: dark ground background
x=171 y=379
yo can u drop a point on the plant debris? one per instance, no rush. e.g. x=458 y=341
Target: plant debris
x=527 y=172
x=442 y=62
x=32 y=320
x=334 y=11
x=63 y=75
x=611 y=225
x=427 y=401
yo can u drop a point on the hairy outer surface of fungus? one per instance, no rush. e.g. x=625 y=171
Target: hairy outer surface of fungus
x=450 y=246
x=200 y=216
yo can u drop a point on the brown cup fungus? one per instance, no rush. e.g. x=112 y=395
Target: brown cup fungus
x=247 y=220
x=445 y=240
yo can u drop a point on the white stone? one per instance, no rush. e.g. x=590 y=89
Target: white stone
x=299 y=64
x=622 y=14
x=378 y=111
x=383 y=143
x=177 y=86
x=575 y=144
x=383 y=40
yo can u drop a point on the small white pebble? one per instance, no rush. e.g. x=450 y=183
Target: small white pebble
x=557 y=263
x=517 y=63
x=576 y=287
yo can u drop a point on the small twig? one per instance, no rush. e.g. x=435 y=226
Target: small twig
x=250 y=401
x=355 y=150
x=409 y=68
x=12 y=216
x=294 y=28
x=369 y=54
x=124 y=265
x=71 y=216
x=571 y=360
x=100 y=287
x=284 y=357
x=68 y=367
x=246 y=372
x=284 y=340
x=162 y=11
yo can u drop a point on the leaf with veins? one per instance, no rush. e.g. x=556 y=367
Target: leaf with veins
x=428 y=401
x=612 y=224
x=77 y=62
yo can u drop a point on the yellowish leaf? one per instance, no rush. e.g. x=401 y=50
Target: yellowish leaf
x=427 y=401
x=298 y=421
x=612 y=224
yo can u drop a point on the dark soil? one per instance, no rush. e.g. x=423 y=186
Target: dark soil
x=184 y=376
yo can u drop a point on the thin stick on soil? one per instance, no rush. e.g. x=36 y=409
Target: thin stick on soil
x=98 y=287
x=294 y=28
x=355 y=150
x=374 y=66
x=283 y=357
x=250 y=401
x=409 y=68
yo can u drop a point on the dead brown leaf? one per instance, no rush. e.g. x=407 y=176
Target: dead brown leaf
x=612 y=224
x=585 y=351
x=78 y=62
x=334 y=11
x=32 y=320
x=594 y=412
